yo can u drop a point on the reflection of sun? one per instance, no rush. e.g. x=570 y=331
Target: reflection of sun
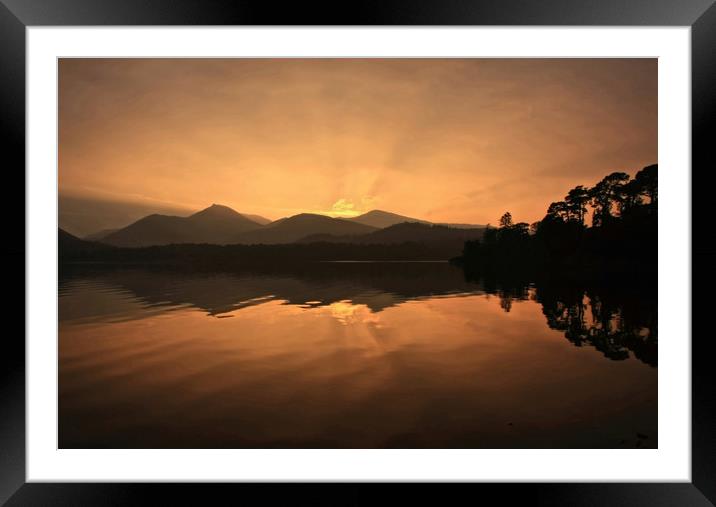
x=347 y=313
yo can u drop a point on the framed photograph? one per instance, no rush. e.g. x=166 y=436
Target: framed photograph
x=446 y=244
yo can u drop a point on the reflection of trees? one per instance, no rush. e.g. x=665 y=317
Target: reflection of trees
x=508 y=290
x=508 y=294
x=612 y=323
x=506 y=302
x=615 y=320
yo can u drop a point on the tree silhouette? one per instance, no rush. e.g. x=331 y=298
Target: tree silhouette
x=646 y=180
x=576 y=201
x=506 y=220
x=628 y=197
x=558 y=210
x=622 y=236
x=605 y=196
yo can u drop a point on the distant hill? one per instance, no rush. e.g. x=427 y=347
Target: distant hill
x=221 y=225
x=461 y=226
x=291 y=229
x=69 y=245
x=421 y=232
x=215 y=225
x=445 y=242
x=402 y=233
x=257 y=218
x=381 y=219
x=286 y=242
x=100 y=235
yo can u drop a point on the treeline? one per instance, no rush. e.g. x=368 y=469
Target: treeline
x=622 y=236
x=229 y=256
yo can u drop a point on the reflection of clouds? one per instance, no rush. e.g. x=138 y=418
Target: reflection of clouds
x=348 y=313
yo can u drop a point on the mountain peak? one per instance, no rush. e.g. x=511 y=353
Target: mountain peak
x=308 y=216
x=375 y=212
x=216 y=224
x=217 y=210
x=381 y=219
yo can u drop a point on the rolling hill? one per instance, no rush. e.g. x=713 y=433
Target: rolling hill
x=221 y=225
x=99 y=235
x=381 y=219
x=444 y=241
x=216 y=225
x=257 y=218
x=69 y=245
x=413 y=232
x=292 y=229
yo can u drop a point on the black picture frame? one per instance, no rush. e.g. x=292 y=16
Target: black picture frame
x=17 y=15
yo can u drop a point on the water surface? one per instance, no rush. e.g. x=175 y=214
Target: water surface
x=351 y=355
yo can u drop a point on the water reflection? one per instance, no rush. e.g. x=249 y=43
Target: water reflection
x=613 y=322
x=375 y=285
x=352 y=355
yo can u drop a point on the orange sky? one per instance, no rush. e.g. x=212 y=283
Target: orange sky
x=447 y=140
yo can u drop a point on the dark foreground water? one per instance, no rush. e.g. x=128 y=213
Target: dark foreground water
x=352 y=355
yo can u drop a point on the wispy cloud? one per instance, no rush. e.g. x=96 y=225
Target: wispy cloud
x=413 y=136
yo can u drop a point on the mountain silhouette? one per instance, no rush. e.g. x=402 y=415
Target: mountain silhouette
x=414 y=232
x=221 y=225
x=99 y=235
x=216 y=225
x=381 y=219
x=257 y=218
x=292 y=229
x=461 y=226
x=70 y=245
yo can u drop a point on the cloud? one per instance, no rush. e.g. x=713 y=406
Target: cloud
x=344 y=136
x=344 y=208
x=342 y=205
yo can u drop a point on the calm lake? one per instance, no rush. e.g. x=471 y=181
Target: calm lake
x=366 y=355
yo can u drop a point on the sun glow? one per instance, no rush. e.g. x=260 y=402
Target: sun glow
x=433 y=139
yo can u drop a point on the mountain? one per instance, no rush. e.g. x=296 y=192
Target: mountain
x=291 y=229
x=99 y=235
x=461 y=226
x=421 y=233
x=69 y=245
x=67 y=241
x=216 y=225
x=403 y=233
x=257 y=218
x=381 y=219
x=222 y=225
